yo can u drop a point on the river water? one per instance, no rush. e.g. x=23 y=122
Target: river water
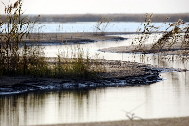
x=90 y=27
x=167 y=98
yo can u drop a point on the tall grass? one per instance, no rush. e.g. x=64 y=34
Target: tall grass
x=102 y=25
x=175 y=33
x=12 y=33
x=80 y=66
x=174 y=36
x=13 y=60
x=19 y=58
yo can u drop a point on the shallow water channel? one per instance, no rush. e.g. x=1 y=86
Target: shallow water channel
x=167 y=98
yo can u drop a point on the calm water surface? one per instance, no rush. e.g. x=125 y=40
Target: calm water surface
x=168 y=98
x=91 y=27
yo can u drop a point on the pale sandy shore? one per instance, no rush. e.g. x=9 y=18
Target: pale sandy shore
x=182 y=121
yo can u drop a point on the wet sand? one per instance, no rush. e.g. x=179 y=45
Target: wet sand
x=183 y=121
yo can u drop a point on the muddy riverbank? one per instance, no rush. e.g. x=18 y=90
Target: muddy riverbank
x=116 y=74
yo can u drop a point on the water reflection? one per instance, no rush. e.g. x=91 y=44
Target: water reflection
x=51 y=107
x=168 y=98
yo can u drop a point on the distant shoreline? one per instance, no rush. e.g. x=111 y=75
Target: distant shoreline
x=112 y=17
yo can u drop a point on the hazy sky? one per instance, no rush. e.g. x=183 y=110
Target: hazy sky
x=102 y=6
